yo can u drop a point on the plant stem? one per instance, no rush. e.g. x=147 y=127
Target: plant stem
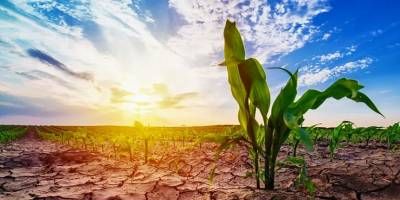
x=268 y=143
x=255 y=149
x=146 y=150
x=257 y=170
x=271 y=180
x=296 y=144
x=130 y=153
x=275 y=148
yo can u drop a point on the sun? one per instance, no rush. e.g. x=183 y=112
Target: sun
x=139 y=106
x=141 y=98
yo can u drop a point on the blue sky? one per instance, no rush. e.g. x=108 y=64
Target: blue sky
x=113 y=62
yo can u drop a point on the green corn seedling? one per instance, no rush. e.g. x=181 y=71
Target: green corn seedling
x=317 y=135
x=247 y=80
x=336 y=137
x=129 y=143
x=302 y=180
x=249 y=88
x=392 y=134
x=295 y=138
x=82 y=135
x=10 y=133
x=114 y=141
x=348 y=131
x=141 y=130
x=369 y=132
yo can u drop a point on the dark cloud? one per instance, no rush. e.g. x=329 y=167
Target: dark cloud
x=176 y=100
x=41 y=75
x=45 y=75
x=4 y=67
x=27 y=76
x=118 y=95
x=47 y=59
x=17 y=105
x=42 y=107
x=4 y=43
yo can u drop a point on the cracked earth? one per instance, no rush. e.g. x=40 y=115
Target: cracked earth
x=34 y=169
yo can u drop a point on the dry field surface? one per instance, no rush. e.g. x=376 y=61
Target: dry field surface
x=34 y=169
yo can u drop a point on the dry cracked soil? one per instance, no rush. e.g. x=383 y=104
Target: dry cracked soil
x=31 y=168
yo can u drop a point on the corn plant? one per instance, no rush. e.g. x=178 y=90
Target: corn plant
x=348 y=130
x=114 y=144
x=141 y=130
x=392 y=134
x=129 y=142
x=295 y=138
x=369 y=132
x=82 y=135
x=10 y=133
x=303 y=181
x=317 y=134
x=336 y=137
x=249 y=88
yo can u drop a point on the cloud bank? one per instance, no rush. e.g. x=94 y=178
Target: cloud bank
x=110 y=56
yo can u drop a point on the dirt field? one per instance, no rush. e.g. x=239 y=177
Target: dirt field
x=35 y=169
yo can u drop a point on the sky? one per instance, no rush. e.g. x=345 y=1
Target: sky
x=113 y=62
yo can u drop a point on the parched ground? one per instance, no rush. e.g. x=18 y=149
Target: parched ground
x=35 y=169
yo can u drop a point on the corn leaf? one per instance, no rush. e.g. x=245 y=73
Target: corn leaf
x=285 y=98
x=234 y=49
x=305 y=138
x=254 y=80
x=312 y=99
x=234 y=54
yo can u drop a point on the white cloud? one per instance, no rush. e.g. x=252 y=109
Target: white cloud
x=269 y=30
x=350 y=50
x=354 y=65
x=376 y=32
x=326 y=36
x=324 y=58
x=313 y=78
x=394 y=45
x=125 y=54
x=315 y=75
x=330 y=56
x=133 y=57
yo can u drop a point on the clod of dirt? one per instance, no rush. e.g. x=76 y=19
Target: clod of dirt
x=69 y=157
x=163 y=192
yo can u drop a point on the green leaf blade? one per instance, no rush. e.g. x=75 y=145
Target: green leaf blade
x=234 y=49
x=312 y=99
x=254 y=80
